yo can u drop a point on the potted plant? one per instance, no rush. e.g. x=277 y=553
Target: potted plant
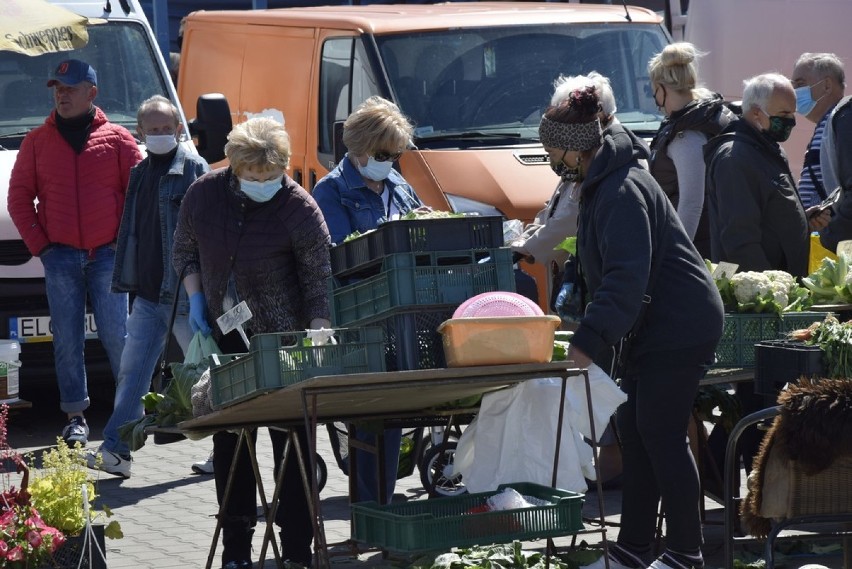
x=26 y=540
x=63 y=490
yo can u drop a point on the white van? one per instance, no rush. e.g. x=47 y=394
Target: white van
x=130 y=69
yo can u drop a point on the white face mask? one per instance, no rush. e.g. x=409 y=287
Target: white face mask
x=375 y=170
x=261 y=191
x=160 y=143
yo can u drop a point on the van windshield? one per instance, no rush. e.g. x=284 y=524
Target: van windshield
x=127 y=75
x=481 y=83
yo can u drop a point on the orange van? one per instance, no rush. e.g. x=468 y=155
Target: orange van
x=473 y=77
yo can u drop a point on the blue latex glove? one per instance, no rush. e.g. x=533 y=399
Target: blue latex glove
x=562 y=297
x=197 y=314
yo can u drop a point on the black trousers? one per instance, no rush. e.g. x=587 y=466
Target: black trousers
x=658 y=464
x=292 y=516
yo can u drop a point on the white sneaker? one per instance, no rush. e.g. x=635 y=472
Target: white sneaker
x=204 y=466
x=109 y=462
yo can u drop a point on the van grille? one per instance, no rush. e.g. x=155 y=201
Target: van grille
x=14 y=252
x=532 y=158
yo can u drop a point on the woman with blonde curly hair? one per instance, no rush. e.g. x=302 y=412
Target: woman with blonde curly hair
x=249 y=233
x=364 y=189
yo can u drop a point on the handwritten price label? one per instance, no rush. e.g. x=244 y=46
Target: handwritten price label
x=237 y=316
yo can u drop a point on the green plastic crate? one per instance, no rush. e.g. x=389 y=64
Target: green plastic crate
x=742 y=331
x=281 y=359
x=413 y=279
x=441 y=524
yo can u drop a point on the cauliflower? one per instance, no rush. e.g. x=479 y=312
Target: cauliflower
x=750 y=286
x=768 y=291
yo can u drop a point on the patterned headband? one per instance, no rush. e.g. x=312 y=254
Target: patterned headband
x=570 y=136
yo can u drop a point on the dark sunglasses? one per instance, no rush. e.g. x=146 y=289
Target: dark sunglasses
x=385 y=156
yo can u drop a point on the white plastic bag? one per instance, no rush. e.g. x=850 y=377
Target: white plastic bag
x=513 y=438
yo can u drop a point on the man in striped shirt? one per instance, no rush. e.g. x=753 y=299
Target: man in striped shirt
x=819 y=82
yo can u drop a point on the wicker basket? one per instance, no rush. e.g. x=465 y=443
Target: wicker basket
x=829 y=492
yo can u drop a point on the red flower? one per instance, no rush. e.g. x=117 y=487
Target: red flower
x=15 y=554
x=4 y=548
x=34 y=539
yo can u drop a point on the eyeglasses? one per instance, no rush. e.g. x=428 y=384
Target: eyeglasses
x=382 y=156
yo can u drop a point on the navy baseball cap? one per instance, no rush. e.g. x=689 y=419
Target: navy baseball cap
x=72 y=72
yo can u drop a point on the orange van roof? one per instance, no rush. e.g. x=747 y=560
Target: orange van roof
x=385 y=18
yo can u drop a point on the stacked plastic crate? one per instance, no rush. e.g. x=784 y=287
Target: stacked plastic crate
x=408 y=276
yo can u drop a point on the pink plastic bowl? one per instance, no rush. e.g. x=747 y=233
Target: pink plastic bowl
x=497 y=304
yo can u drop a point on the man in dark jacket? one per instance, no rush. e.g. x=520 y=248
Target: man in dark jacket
x=142 y=267
x=756 y=218
x=837 y=171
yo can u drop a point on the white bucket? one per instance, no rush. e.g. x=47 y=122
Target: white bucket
x=10 y=350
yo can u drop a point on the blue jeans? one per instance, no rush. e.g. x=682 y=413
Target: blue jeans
x=367 y=464
x=147 y=327
x=70 y=275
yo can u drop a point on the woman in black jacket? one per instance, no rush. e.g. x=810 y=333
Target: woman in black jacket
x=645 y=279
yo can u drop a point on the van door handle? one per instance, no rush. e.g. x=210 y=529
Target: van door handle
x=297 y=176
x=312 y=178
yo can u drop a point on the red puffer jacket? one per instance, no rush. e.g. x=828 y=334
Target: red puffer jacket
x=80 y=196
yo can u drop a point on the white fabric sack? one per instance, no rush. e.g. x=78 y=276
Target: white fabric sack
x=513 y=438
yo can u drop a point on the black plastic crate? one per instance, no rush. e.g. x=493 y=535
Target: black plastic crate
x=412 y=340
x=415 y=235
x=783 y=361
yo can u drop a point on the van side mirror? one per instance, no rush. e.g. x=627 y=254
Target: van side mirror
x=211 y=126
x=337 y=141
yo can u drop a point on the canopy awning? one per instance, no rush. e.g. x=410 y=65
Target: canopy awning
x=34 y=27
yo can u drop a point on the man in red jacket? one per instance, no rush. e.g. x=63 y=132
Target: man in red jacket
x=76 y=165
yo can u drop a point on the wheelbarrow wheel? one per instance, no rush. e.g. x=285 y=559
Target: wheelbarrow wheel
x=322 y=473
x=436 y=472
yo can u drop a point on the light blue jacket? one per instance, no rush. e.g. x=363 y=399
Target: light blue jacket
x=184 y=170
x=348 y=205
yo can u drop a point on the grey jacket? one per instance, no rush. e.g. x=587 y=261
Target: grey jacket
x=756 y=217
x=186 y=167
x=836 y=163
x=626 y=221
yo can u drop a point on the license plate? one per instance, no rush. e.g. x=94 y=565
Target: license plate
x=37 y=328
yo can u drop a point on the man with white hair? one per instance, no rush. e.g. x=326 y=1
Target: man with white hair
x=756 y=218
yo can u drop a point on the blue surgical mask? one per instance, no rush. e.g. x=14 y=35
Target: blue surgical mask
x=261 y=191
x=805 y=103
x=375 y=170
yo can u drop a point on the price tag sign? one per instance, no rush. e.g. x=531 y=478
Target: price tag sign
x=725 y=270
x=234 y=320
x=237 y=316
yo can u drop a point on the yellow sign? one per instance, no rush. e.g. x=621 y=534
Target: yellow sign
x=34 y=27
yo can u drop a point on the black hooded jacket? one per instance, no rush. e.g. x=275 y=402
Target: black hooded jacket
x=756 y=217
x=626 y=220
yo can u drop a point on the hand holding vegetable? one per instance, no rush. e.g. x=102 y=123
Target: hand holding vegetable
x=197 y=313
